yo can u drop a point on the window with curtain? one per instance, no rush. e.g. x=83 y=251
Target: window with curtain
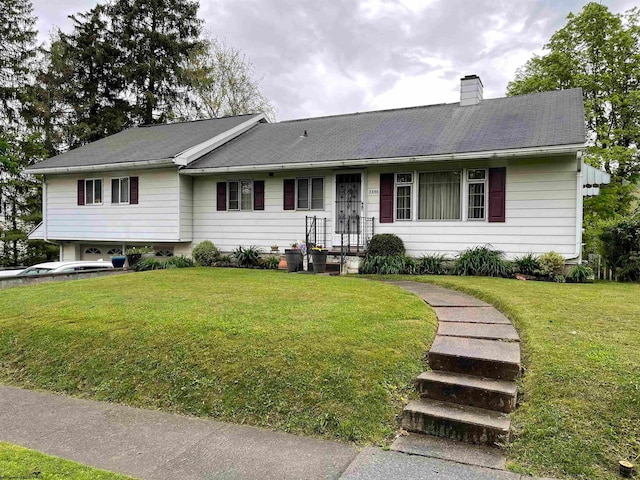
x=240 y=195
x=439 y=196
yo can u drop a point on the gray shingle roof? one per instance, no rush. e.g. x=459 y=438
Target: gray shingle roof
x=534 y=120
x=153 y=142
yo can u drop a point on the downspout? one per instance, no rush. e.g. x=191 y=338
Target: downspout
x=579 y=207
x=44 y=216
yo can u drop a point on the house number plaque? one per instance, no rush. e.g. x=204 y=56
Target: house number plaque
x=374 y=191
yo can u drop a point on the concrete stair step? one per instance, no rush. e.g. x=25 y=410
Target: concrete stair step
x=459 y=422
x=471 y=315
x=479 y=330
x=473 y=356
x=486 y=393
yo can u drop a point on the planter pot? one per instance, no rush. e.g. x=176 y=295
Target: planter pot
x=118 y=261
x=133 y=259
x=319 y=259
x=294 y=259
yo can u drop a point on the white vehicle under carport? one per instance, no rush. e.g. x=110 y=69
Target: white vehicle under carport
x=65 y=267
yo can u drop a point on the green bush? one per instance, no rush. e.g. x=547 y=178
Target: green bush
x=271 y=262
x=432 y=264
x=247 y=256
x=580 y=274
x=527 y=264
x=385 y=244
x=149 y=264
x=206 y=254
x=388 y=265
x=551 y=265
x=482 y=261
x=224 y=261
x=621 y=248
x=179 y=261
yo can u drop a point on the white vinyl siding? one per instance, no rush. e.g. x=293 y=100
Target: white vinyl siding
x=263 y=228
x=155 y=217
x=541 y=196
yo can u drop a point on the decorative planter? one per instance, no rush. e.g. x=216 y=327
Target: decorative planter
x=294 y=259
x=133 y=259
x=118 y=261
x=319 y=259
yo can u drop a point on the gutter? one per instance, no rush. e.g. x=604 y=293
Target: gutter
x=141 y=164
x=516 y=152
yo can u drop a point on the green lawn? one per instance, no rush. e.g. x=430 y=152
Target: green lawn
x=21 y=463
x=580 y=399
x=327 y=356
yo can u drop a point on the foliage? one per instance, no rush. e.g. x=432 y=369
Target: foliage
x=581 y=352
x=599 y=52
x=326 y=356
x=221 y=84
x=180 y=261
x=383 y=244
x=224 y=261
x=271 y=262
x=206 y=254
x=528 y=264
x=481 y=260
x=388 y=265
x=432 y=264
x=247 y=256
x=621 y=247
x=138 y=250
x=551 y=265
x=21 y=463
x=580 y=274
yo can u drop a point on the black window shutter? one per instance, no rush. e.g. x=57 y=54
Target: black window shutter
x=222 y=197
x=497 y=194
x=133 y=190
x=386 y=198
x=258 y=195
x=290 y=194
x=81 y=192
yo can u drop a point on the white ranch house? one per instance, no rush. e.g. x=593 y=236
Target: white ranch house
x=506 y=172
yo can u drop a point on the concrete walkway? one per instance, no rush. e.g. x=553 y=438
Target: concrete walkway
x=155 y=445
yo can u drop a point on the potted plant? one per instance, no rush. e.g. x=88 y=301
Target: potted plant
x=319 y=259
x=294 y=257
x=118 y=261
x=134 y=254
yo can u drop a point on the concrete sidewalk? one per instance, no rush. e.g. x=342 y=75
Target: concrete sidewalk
x=155 y=445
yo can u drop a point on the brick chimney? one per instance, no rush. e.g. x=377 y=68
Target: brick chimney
x=470 y=90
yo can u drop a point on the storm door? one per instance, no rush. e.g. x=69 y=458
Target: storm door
x=348 y=206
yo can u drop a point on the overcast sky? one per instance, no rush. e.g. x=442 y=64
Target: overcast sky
x=326 y=57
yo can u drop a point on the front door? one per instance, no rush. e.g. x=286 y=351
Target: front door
x=348 y=207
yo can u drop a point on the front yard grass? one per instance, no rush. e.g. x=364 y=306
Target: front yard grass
x=21 y=463
x=325 y=356
x=579 y=410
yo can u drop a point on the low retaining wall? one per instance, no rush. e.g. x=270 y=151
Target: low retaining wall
x=8 y=282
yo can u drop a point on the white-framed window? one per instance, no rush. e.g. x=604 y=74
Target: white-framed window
x=240 y=194
x=120 y=190
x=164 y=253
x=404 y=192
x=93 y=191
x=439 y=195
x=93 y=251
x=114 y=251
x=310 y=193
x=476 y=194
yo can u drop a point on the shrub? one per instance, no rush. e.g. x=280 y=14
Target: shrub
x=621 y=248
x=224 y=261
x=206 y=254
x=149 y=264
x=482 y=261
x=527 y=264
x=432 y=264
x=388 y=265
x=385 y=244
x=179 y=262
x=272 y=262
x=247 y=256
x=551 y=265
x=580 y=274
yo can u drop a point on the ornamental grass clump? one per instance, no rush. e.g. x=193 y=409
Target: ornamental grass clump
x=580 y=274
x=432 y=264
x=247 y=256
x=528 y=264
x=481 y=261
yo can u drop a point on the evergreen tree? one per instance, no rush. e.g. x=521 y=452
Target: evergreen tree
x=155 y=39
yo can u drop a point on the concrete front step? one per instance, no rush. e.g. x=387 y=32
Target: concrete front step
x=472 y=356
x=479 y=330
x=486 y=393
x=471 y=315
x=459 y=422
